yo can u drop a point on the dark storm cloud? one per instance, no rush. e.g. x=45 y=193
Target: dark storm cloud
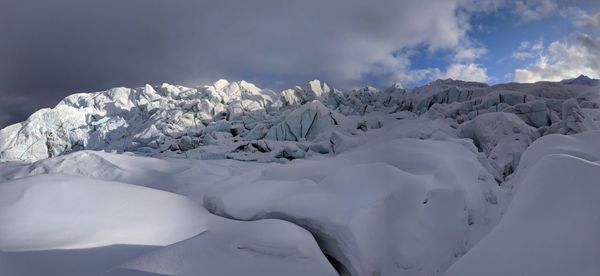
x=49 y=49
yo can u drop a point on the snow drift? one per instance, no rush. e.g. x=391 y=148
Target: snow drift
x=550 y=227
x=53 y=211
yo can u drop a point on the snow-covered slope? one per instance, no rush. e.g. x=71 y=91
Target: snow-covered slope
x=378 y=206
x=265 y=247
x=386 y=208
x=551 y=226
x=453 y=177
x=55 y=211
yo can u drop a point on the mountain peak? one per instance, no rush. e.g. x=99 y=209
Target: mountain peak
x=582 y=80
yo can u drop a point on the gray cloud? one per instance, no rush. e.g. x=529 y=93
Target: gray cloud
x=531 y=10
x=51 y=49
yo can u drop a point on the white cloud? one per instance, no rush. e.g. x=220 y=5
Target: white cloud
x=528 y=50
x=523 y=55
x=538 y=46
x=532 y=10
x=457 y=71
x=579 y=54
x=469 y=53
x=581 y=18
x=415 y=76
x=524 y=45
x=466 y=72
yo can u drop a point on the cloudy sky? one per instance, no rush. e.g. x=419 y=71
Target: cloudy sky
x=50 y=49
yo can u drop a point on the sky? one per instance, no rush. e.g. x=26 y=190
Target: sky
x=51 y=49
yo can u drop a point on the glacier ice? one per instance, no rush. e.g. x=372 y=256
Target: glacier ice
x=230 y=178
x=230 y=119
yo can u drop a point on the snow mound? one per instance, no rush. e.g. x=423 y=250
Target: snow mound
x=50 y=219
x=387 y=205
x=378 y=209
x=66 y=212
x=265 y=247
x=582 y=145
x=550 y=228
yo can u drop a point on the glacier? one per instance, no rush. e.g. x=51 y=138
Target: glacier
x=450 y=178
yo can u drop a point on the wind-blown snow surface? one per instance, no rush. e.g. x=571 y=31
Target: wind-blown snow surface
x=450 y=178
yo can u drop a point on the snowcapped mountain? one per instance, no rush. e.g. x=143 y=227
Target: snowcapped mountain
x=441 y=178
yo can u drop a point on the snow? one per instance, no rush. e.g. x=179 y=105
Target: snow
x=502 y=137
x=238 y=120
x=582 y=80
x=96 y=218
x=348 y=204
x=574 y=119
x=265 y=247
x=343 y=201
x=452 y=178
x=583 y=145
x=306 y=122
x=54 y=211
x=550 y=227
